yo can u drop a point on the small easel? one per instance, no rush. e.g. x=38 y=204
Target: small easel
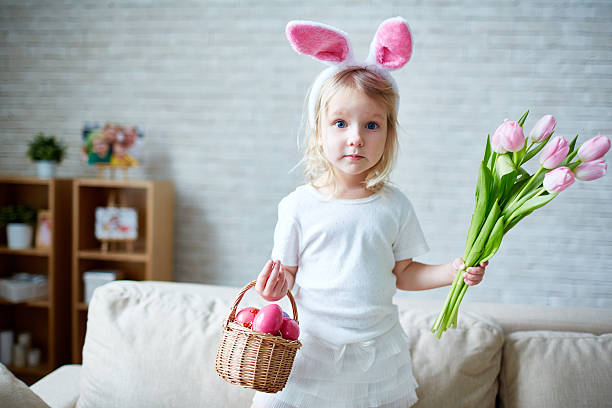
x=116 y=244
x=111 y=168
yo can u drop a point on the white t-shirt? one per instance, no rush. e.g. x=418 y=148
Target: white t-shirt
x=345 y=251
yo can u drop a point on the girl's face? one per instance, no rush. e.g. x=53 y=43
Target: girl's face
x=353 y=132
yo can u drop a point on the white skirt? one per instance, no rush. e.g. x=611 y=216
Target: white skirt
x=374 y=373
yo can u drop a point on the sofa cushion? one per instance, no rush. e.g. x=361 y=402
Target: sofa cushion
x=460 y=369
x=556 y=369
x=15 y=394
x=154 y=345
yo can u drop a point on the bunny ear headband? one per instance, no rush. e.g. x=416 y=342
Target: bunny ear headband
x=390 y=49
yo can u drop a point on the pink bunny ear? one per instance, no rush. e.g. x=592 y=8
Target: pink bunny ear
x=318 y=40
x=392 y=44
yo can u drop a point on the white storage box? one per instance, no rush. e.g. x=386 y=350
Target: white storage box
x=24 y=286
x=94 y=279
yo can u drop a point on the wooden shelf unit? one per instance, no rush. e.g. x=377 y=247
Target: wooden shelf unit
x=48 y=320
x=151 y=258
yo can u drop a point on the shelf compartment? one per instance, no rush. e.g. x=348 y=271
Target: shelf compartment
x=93 y=196
x=34 y=320
x=151 y=255
x=10 y=265
x=131 y=271
x=47 y=319
x=32 y=192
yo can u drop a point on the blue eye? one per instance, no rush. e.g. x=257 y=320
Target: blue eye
x=372 y=125
x=340 y=123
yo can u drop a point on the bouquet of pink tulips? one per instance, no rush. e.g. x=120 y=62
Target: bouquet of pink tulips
x=506 y=193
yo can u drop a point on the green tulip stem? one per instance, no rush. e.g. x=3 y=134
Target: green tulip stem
x=540 y=192
x=453 y=316
x=457 y=287
x=526 y=186
x=447 y=302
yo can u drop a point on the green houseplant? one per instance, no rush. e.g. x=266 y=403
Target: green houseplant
x=47 y=152
x=19 y=220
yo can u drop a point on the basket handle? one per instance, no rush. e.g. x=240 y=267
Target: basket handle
x=232 y=315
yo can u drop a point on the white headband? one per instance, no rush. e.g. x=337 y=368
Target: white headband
x=390 y=49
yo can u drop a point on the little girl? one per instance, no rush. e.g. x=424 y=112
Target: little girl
x=346 y=239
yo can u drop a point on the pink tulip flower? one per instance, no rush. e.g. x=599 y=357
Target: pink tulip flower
x=508 y=137
x=558 y=179
x=554 y=152
x=594 y=148
x=543 y=128
x=591 y=170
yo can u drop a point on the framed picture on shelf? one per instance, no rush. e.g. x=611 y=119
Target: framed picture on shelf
x=116 y=223
x=113 y=145
x=43 y=229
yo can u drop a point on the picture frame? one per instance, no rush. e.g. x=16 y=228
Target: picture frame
x=116 y=224
x=112 y=145
x=43 y=229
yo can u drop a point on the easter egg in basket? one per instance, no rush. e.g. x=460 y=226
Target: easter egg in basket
x=290 y=330
x=246 y=316
x=269 y=319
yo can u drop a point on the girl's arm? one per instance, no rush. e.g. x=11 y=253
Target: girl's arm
x=275 y=280
x=418 y=276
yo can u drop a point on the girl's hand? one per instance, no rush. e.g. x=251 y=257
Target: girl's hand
x=473 y=275
x=272 y=284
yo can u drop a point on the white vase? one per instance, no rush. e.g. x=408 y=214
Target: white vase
x=46 y=168
x=19 y=236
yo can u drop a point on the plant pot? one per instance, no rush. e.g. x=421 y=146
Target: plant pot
x=46 y=168
x=19 y=236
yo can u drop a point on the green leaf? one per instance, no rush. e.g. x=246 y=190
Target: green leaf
x=494 y=240
x=487 y=154
x=521 y=121
x=508 y=226
x=503 y=165
x=572 y=144
x=535 y=151
x=528 y=195
x=516 y=188
x=535 y=185
x=492 y=160
x=506 y=183
x=480 y=209
x=569 y=158
x=527 y=208
x=20 y=213
x=483 y=235
x=523 y=173
x=46 y=148
x=521 y=154
x=505 y=174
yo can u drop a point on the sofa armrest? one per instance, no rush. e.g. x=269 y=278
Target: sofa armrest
x=60 y=388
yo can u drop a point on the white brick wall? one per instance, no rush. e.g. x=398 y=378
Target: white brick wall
x=219 y=92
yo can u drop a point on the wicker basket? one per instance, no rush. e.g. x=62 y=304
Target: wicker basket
x=252 y=359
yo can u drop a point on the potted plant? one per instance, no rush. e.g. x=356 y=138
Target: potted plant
x=47 y=152
x=18 y=220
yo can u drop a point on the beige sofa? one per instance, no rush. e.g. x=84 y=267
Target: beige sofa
x=153 y=344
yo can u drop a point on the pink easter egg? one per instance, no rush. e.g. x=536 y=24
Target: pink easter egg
x=246 y=316
x=290 y=329
x=269 y=319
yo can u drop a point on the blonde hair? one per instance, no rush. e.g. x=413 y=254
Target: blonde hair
x=317 y=169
